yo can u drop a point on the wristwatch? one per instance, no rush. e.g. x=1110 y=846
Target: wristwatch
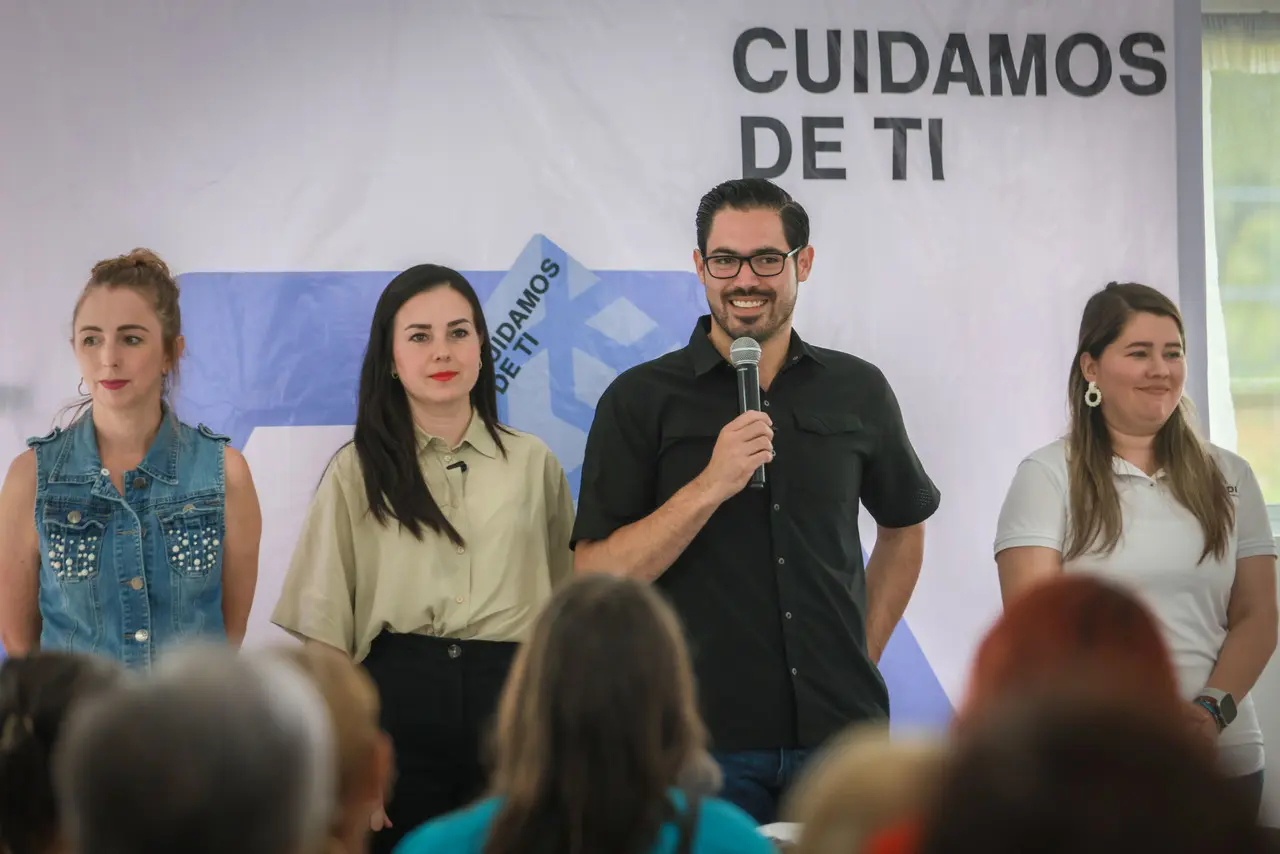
x=1222 y=704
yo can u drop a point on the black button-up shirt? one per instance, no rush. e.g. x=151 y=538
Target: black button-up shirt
x=772 y=591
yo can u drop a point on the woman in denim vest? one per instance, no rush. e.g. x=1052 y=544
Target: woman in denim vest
x=129 y=530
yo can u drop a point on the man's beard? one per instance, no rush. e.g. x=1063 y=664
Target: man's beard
x=763 y=327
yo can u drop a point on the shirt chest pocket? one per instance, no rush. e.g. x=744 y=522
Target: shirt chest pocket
x=826 y=454
x=74 y=540
x=192 y=535
x=687 y=443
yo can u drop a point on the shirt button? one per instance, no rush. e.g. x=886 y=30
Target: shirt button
x=459 y=600
x=793 y=671
x=766 y=403
x=141 y=635
x=448 y=458
x=461 y=550
x=136 y=582
x=777 y=507
x=454 y=650
x=106 y=472
x=140 y=483
x=787 y=615
x=73 y=517
x=782 y=560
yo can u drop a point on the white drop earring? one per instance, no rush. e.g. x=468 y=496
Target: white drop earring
x=1093 y=395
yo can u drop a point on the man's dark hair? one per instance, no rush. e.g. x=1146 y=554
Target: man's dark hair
x=744 y=194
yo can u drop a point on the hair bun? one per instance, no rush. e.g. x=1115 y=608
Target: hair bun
x=140 y=258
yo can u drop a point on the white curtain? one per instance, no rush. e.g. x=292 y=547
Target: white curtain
x=1243 y=43
x=1249 y=43
x=1222 y=410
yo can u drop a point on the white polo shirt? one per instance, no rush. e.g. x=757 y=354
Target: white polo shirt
x=1157 y=559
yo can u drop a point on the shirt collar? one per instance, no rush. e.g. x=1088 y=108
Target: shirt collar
x=477 y=436
x=1123 y=467
x=706 y=357
x=161 y=460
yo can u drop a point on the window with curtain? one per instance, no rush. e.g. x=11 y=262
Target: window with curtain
x=1242 y=212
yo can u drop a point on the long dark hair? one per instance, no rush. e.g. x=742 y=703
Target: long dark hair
x=597 y=721
x=1194 y=477
x=37 y=694
x=384 y=438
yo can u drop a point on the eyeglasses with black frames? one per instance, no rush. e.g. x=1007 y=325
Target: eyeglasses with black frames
x=763 y=264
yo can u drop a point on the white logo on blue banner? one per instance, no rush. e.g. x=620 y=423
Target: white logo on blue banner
x=284 y=350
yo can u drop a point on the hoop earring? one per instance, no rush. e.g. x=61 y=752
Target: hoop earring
x=1093 y=395
x=394 y=375
x=80 y=388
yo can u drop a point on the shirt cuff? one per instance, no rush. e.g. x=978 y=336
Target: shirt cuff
x=1020 y=540
x=1261 y=548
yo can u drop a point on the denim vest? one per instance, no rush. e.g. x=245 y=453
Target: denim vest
x=125 y=576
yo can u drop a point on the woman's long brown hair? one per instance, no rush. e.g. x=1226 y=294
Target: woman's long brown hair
x=597 y=722
x=1193 y=476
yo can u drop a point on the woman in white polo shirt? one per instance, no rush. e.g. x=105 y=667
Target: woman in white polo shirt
x=1133 y=493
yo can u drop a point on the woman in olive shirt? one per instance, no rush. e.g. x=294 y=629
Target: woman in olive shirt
x=433 y=541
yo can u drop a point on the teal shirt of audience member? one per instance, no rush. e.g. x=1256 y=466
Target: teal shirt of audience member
x=722 y=828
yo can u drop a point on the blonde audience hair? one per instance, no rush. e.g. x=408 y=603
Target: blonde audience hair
x=862 y=783
x=360 y=743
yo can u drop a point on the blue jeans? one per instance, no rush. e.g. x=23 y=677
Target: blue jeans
x=755 y=781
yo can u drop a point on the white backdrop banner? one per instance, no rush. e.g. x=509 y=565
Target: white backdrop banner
x=972 y=169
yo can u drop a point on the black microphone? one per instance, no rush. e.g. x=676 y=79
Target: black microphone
x=458 y=465
x=744 y=353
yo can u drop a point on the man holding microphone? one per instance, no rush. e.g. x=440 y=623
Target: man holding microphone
x=785 y=623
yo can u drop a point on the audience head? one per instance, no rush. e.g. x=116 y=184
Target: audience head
x=597 y=721
x=1077 y=630
x=127 y=331
x=1131 y=349
x=363 y=750
x=1060 y=773
x=859 y=786
x=215 y=753
x=37 y=694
